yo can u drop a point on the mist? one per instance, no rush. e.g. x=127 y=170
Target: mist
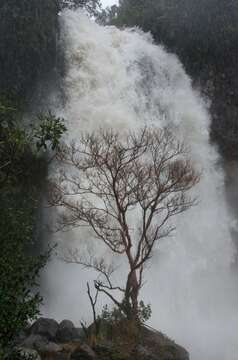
x=106 y=3
x=121 y=79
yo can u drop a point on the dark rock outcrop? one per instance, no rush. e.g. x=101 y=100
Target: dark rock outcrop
x=204 y=35
x=53 y=341
x=66 y=332
x=34 y=341
x=45 y=327
x=28 y=43
x=160 y=346
x=83 y=353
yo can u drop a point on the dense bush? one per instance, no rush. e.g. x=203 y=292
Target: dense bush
x=23 y=167
x=18 y=268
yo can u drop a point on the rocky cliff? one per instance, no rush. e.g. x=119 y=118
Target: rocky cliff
x=48 y=340
x=28 y=41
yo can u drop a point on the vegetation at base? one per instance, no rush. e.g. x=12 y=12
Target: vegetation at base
x=23 y=167
x=114 y=328
x=19 y=269
x=16 y=354
x=122 y=339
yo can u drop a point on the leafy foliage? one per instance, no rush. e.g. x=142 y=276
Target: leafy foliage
x=49 y=131
x=20 y=148
x=19 y=270
x=124 y=333
x=22 y=171
x=17 y=354
x=116 y=314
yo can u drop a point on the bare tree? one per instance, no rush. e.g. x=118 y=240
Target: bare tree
x=109 y=182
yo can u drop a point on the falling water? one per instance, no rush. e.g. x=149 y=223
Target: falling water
x=120 y=79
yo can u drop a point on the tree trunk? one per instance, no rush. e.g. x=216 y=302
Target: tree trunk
x=131 y=296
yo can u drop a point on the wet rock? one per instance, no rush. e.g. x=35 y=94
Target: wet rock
x=20 y=338
x=34 y=342
x=50 y=348
x=55 y=356
x=66 y=332
x=83 y=353
x=45 y=327
x=160 y=346
x=41 y=344
x=53 y=341
x=145 y=354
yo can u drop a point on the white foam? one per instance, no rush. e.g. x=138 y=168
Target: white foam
x=121 y=79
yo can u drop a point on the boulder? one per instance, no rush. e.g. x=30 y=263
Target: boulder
x=160 y=346
x=66 y=332
x=145 y=354
x=21 y=336
x=50 y=348
x=83 y=353
x=34 y=342
x=53 y=341
x=55 y=356
x=45 y=327
x=41 y=344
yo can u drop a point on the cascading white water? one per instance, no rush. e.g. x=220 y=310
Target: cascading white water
x=120 y=79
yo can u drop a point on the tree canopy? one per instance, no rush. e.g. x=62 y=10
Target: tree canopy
x=125 y=191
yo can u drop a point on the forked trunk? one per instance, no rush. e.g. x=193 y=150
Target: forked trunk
x=131 y=297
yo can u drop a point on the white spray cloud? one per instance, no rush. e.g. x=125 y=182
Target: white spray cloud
x=120 y=79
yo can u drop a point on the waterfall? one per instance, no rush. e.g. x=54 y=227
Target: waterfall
x=121 y=79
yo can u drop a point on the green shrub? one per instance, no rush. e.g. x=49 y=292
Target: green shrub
x=23 y=167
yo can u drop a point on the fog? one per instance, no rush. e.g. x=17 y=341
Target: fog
x=120 y=79
x=106 y=3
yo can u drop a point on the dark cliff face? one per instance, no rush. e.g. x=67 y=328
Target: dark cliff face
x=222 y=88
x=28 y=37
